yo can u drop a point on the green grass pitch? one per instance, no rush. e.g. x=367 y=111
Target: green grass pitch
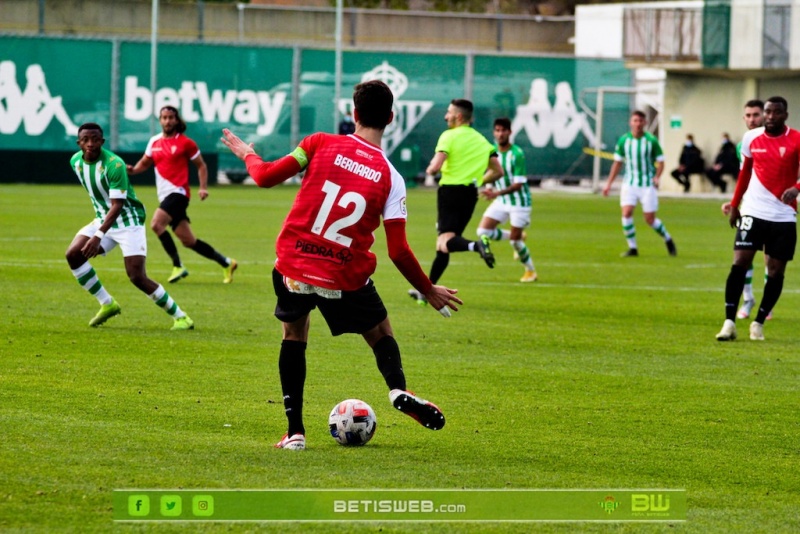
x=604 y=374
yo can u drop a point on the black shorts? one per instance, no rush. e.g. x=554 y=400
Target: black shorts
x=455 y=205
x=355 y=313
x=175 y=205
x=778 y=239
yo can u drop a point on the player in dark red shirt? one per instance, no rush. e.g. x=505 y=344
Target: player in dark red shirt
x=324 y=258
x=171 y=151
x=767 y=190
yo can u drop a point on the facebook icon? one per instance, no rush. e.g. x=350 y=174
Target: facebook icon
x=138 y=505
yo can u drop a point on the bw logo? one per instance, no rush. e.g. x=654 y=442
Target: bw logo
x=643 y=502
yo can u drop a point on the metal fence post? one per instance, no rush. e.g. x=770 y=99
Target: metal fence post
x=113 y=111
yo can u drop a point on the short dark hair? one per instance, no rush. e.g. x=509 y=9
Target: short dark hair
x=779 y=100
x=638 y=113
x=465 y=106
x=755 y=103
x=503 y=122
x=181 y=127
x=373 y=100
x=89 y=126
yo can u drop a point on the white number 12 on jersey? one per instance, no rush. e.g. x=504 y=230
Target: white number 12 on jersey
x=359 y=204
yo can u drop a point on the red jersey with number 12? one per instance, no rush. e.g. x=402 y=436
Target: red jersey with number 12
x=348 y=186
x=171 y=156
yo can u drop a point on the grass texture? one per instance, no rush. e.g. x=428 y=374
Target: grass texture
x=603 y=374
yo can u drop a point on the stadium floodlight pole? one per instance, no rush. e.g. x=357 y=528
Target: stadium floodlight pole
x=153 y=64
x=337 y=83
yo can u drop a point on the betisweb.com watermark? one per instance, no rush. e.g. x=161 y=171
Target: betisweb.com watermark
x=402 y=506
x=422 y=505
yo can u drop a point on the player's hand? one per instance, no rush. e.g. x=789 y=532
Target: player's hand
x=202 y=193
x=734 y=216
x=726 y=208
x=239 y=148
x=489 y=193
x=129 y=168
x=790 y=195
x=443 y=299
x=606 y=189
x=91 y=248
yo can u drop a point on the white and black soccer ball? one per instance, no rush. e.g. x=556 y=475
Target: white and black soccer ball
x=352 y=422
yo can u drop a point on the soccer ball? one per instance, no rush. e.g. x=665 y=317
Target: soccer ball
x=352 y=422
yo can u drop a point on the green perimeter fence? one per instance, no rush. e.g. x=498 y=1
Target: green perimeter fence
x=274 y=96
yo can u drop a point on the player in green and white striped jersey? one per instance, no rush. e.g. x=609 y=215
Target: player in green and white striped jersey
x=511 y=199
x=644 y=162
x=119 y=220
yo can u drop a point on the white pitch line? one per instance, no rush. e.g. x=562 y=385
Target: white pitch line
x=719 y=289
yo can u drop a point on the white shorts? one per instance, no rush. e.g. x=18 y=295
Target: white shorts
x=629 y=195
x=519 y=217
x=132 y=240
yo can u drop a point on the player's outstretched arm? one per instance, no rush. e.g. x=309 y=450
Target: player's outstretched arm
x=239 y=148
x=443 y=298
x=265 y=173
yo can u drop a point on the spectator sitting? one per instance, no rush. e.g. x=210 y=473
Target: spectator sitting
x=691 y=162
x=726 y=162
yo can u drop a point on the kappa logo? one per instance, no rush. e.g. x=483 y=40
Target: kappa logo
x=34 y=108
x=407 y=113
x=782 y=150
x=541 y=122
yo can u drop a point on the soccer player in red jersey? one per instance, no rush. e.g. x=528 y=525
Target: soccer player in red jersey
x=767 y=190
x=171 y=151
x=324 y=258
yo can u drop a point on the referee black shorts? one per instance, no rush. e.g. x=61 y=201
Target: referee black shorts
x=176 y=205
x=355 y=312
x=455 y=205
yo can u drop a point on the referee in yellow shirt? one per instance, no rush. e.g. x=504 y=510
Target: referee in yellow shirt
x=467 y=160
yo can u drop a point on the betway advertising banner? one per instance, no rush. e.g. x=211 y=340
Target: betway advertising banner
x=50 y=86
